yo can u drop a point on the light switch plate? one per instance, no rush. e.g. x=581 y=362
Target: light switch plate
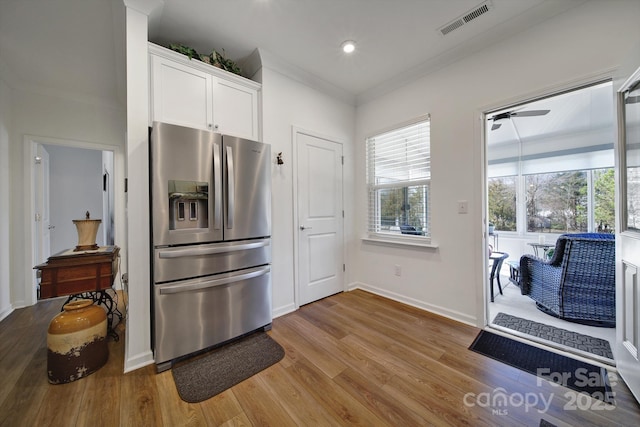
x=463 y=206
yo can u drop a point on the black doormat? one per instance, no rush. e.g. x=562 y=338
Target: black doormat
x=214 y=372
x=586 y=343
x=574 y=374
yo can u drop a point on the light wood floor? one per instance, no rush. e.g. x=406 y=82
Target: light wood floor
x=351 y=359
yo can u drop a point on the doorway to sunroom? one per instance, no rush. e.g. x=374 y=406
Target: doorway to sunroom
x=550 y=173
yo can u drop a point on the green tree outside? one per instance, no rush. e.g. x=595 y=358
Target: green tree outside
x=604 y=199
x=502 y=203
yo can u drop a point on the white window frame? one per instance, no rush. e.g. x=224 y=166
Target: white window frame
x=373 y=197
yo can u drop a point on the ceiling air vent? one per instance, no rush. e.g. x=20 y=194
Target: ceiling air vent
x=466 y=18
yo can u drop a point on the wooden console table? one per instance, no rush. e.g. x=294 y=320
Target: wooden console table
x=69 y=272
x=83 y=274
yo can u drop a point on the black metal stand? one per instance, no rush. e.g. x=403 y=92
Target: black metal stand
x=101 y=298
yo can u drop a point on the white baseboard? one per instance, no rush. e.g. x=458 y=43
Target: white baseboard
x=18 y=304
x=423 y=305
x=286 y=309
x=7 y=311
x=138 y=361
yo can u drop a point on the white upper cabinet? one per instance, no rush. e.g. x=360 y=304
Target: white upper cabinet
x=235 y=109
x=194 y=94
x=180 y=95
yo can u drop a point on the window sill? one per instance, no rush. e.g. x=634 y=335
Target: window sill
x=404 y=242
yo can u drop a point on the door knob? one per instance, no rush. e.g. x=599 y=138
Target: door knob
x=302 y=227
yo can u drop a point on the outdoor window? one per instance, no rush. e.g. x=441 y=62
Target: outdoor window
x=557 y=202
x=560 y=202
x=569 y=202
x=550 y=164
x=502 y=203
x=398 y=179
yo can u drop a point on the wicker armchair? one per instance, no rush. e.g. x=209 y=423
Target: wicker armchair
x=578 y=283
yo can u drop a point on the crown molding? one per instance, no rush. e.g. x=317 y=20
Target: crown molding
x=261 y=58
x=147 y=7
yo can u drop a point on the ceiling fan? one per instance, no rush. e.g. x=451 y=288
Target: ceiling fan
x=510 y=114
x=632 y=100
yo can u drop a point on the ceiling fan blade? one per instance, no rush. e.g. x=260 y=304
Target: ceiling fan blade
x=496 y=126
x=530 y=113
x=501 y=116
x=632 y=100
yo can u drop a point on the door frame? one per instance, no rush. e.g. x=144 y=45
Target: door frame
x=627 y=242
x=295 y=132
x=42 y=186
x=29 y=152
x=482 y=295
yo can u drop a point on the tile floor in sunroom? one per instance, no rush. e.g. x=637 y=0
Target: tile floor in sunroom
x=516 y=304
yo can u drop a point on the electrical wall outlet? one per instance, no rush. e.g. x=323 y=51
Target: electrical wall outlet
x=398 y=270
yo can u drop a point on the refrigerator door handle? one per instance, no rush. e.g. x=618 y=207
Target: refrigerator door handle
x=178 y=288
x=189 y=252
x=217 y=188
x=231 y=188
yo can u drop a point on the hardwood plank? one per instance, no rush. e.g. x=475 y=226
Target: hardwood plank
x=316 y=314
x=369 y=324
x=23 y=334
x=240 y=420
x=223 y=409
x=261 y=407
x=295 y=399
x=332 y=317
x=16 y=360
x=174 y=410
x=68 y=396
x=332 y=397
x=141 y=406
x=417 y=394
x=98 y=408
x=21 y=406
x=373 y=398
x=348 y=356
x=420 y=380
x=311 y=349
x=431 y=378
x=350 y=359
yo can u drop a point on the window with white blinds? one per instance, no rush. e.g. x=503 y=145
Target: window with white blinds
x=398 y=179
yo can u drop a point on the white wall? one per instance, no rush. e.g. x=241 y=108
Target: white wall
x=75 y=186
x=287 y=104
x=54 y=119
x=580 y=45
x=138 y=347
x=5 y=185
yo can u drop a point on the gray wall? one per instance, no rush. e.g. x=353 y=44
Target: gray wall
x=75 y=187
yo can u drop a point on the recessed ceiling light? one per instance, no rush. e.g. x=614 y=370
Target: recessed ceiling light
x=348 y=46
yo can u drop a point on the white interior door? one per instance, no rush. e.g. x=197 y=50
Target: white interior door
x=43 y=221
x=320 y=218
x=628 y=240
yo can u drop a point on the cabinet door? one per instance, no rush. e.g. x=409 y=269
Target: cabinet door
x=180 y=94
x=235 y=109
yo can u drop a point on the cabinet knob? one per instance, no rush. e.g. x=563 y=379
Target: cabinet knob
x=215 y=127
x=210 y=125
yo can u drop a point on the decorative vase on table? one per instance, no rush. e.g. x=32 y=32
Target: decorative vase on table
x=87 y=230
x=76 y=342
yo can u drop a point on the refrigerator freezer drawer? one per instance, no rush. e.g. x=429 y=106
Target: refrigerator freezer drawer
x=192 y=315
x=182 y=262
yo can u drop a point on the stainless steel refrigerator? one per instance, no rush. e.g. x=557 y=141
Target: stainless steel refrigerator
x=211 y=216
